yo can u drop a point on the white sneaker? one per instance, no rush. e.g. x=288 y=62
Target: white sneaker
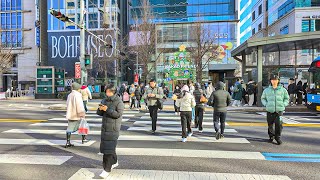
x=200 y=131
x=115 y=165
x=176 y=113
x=104 y=174
x=100 y=154
x=190 y=134
x=184 y=139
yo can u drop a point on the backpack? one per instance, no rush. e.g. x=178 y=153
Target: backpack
x=126 y=97
x=137 y=92
x=250 y=89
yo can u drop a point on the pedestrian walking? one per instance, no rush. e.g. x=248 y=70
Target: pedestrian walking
x=210 y=89
x=111 y=110
x=275 y=98
x=237 y=93
x=176 y=93
x=199 y=109
x=137 y=94
x=191 y=89
x=292 y=92
x=304 y=87
x=132 y=96
x=299 y=91
x=86 y=95
x=251 y=91
x=75 y=112
x=153 y=96
x=220 y=100
x=186 y=102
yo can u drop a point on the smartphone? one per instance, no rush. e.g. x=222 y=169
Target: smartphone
x=101 y=104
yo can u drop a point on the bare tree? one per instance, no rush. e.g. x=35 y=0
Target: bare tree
x=144 y=38
x=201 y=48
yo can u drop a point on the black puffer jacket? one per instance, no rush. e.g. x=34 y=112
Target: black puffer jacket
x=111 y=124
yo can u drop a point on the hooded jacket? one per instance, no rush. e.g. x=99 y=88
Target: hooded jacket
x=186 y=102
x=220 y=99
x=275 y=100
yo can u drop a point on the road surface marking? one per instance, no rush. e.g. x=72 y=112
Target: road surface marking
x=44 y=131
x=124 y=112
x=209 y=114
x=178 y=138
x=190 y=153
x=48 y=142
x=315 y=158
x=21 y=120
x=131 y=174
x=173 y=117
x=33 y=159
x=174 y=129
x=316 y=125
x=170 y=123
x=95 y=115
x=88 y=119
x=284 y=119
x=60 y=125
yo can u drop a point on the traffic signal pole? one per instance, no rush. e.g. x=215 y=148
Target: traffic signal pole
x=84 y=72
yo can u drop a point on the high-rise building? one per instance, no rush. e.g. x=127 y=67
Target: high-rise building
x=175 y=25
x=21 y=40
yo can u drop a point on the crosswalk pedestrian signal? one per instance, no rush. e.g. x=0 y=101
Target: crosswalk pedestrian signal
x=88 y=58
x=59 y=15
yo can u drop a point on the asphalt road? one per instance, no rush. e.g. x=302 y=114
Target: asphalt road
x=245 y=153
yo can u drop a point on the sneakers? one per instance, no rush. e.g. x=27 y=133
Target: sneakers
x=153 y=132
x=218 y=135
x=184 y=140
x=200 y=131
x=221 y=136
x=104 y=174
x=190 y=134
x=115 y=165
x=271 y=139
x=279 y=142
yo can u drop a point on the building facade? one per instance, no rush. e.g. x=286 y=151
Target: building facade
x=175 y=25
x=20 y=39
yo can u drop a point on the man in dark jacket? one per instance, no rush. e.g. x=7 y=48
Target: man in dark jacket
x=199 y=109
x=220 y=99
x=111 y=108
x=292 y=92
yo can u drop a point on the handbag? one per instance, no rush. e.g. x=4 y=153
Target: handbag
x=159 y=104
x=83 y=127
x=203 y=99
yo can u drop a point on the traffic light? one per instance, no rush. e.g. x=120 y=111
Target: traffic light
x=59 y=15
x=88 y=59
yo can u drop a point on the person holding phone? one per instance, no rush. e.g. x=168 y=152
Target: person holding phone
x=111 y=110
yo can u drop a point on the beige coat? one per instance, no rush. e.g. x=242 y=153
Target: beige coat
x=186 y=103
x=86 y=94
x=75 y=108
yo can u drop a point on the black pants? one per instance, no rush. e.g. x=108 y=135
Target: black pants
x=138 y=103
x=133 y=103
x=109 y=160
x=186 y=122
x=274 y=118
x=199 y=117
x=85 y=106
x=219 y=117
x=153 y=110
x=176 y=108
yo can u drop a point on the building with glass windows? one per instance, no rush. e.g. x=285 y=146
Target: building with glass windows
x=175 y=25
x=19 y=38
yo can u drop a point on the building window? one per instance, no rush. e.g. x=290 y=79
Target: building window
x=93 y=20
x=260 y=9
x=310 y=25
x=284 y=30
x=260 y=27
x=253 y=15
x=253 y=31
x=11 y=23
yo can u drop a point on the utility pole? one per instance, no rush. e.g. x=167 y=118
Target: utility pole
x=84 y=74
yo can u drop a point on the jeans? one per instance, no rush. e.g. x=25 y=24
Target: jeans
x=199 y=117
x=85 y=105
x=153 y=110
x=274 y=118
x=186 y=122
x=219 y=117
x=193 y=114
x=109 y=160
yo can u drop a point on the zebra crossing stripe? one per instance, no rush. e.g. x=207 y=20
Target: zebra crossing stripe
x=45 y=131
x=60 y=125
x=88 y=119
x=178 y=138
x=95 y=115
x=170 y=123
x=284 y=119
x=172 y=114
x=33 y=159
x=190 y=153
x=175 y=117
x=42 y=142
x=132 y=174
x=124 y=112
x=176 y=129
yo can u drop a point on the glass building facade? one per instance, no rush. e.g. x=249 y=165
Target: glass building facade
x=11 y=23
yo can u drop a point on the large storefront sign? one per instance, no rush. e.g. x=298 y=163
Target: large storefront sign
x=64 y=48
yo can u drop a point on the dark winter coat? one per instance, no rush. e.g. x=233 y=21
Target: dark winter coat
x=111 y=124
x=138 y=94
x=237 y=93
x=220 y=99
x=292 y=89
x=197 y=93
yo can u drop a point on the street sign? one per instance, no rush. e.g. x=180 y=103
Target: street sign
x=77 y=68
x=69 y=82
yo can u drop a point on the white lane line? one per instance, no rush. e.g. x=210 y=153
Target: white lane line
x=285 y=120
x=124 y=112
x=173 y=117
x=33 y=159
x=169 y=123
x=43 y=131
x=38 y=142
x=190 y=153
x=88 y=119
x=178 y=138
x=210 y=114
x=176 y=129
x=60 y=125
x=131 y=174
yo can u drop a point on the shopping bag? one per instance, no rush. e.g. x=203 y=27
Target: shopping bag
x=83 y=127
